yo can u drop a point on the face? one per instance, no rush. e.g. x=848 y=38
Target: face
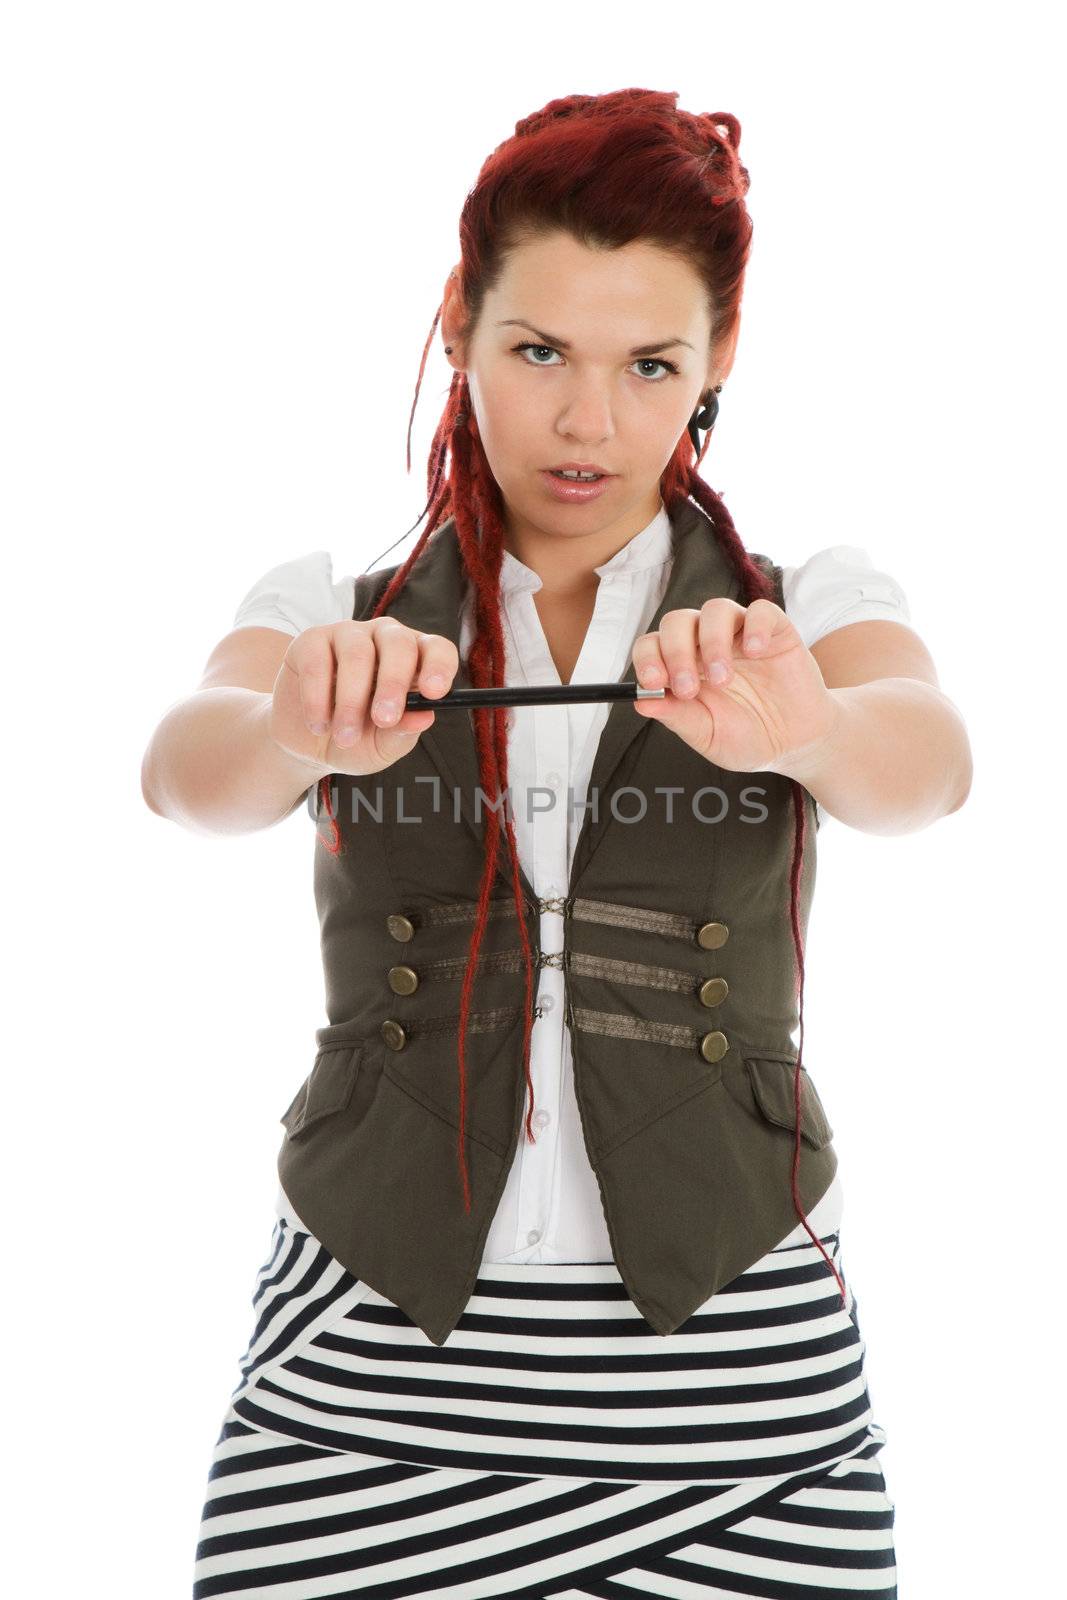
x=553 y=379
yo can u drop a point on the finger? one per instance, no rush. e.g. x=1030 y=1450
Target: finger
x=682 y=640
x=717 y=633
x=763 y=619
x=311 y=657
x=438 y=664
x=649 y=666
x=398 y=663
x=356 y=657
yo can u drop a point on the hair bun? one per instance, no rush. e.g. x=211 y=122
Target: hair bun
x=722 y=125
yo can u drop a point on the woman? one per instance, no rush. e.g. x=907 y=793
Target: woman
x=537 y=1434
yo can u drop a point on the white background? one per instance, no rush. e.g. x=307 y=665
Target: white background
x=227 y=232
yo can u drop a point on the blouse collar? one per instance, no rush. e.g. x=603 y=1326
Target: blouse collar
x=649 y=548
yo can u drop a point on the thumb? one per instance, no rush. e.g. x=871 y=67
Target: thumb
x=393 y=743
x=689 y=719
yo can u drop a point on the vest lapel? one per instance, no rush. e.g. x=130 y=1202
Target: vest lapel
x=699 y=572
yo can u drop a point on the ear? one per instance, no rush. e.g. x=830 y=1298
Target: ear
x=452 y=318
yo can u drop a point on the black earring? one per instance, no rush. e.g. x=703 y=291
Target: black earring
x=705 y=417
x=448 y=349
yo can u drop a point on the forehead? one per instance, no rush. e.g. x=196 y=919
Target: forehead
x=616 y=295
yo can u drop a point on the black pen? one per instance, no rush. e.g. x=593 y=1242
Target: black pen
x=564 y=694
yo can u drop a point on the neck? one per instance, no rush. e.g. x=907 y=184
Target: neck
x=565 y=562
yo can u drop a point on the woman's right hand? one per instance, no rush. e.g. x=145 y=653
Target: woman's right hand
x=329 y=695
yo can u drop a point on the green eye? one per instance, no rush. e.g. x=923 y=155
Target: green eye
x=654 y=361
x=521 y=347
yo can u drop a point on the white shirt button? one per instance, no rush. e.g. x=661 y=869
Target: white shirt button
x=546 y=1003
x=553 y=779
x=533 y=1236
x=541 y=1119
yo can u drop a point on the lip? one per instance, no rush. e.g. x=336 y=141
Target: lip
x=575 y=493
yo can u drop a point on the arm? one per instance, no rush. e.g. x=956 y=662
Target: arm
x=274 y=714
x=212 y=764
x=896 y=756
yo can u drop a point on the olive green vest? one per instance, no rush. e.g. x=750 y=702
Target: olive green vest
x=679 y=972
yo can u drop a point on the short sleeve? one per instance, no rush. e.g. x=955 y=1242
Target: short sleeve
x=296 y=595
x=837 y=586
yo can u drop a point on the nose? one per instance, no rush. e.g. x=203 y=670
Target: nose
x=588 y=416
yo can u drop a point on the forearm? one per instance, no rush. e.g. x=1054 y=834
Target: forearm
x=213 y=767
x=896 y=759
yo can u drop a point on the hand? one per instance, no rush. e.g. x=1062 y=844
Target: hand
x=770 y=705
x=326 y=703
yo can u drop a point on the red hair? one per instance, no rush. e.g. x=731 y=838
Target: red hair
x=607 y=169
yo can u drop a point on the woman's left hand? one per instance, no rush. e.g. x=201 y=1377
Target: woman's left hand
x=772 y=702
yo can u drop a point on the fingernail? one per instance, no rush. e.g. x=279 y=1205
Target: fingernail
x=684 y=682
x=718 y=672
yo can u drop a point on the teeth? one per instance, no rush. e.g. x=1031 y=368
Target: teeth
x=577 y=477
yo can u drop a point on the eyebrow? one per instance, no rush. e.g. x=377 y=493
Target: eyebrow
x=562 y=344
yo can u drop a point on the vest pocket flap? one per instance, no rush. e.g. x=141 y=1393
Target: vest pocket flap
x=772 y=1084
x=326 y=1089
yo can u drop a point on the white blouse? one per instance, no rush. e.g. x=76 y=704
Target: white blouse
x=551 y=1210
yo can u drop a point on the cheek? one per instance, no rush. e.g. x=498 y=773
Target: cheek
x=662 y=427
x=508 y=419
x=651 y=420
x=671 y=418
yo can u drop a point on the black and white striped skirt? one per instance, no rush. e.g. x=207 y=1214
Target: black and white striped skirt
x=555 y=1444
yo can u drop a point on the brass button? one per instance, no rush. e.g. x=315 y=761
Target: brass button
x=713 y=991
x=393 y=1034
x=401 y=928
x=713 y=935
x=714 y=1046
x=403 y=980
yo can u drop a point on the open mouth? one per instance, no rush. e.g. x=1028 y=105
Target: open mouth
x=575 y=488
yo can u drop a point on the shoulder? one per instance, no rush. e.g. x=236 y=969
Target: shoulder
x=839 y=585
x=297 y=594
